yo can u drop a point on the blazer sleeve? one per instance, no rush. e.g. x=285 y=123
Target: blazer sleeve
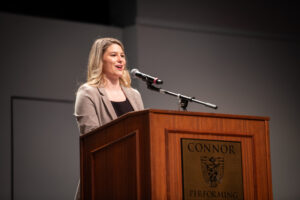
x=85 y=110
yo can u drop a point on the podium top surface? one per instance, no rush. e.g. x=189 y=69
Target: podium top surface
x=203 y=114
x=184 y=113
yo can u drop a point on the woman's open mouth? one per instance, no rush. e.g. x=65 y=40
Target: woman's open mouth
x=119 y=67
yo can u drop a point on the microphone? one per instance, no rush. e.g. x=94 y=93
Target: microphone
x=145 y=77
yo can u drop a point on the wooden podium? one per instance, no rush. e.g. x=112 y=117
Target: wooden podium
x=140 y=156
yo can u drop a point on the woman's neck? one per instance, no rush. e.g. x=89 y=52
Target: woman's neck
x=114 y=91
x=112 y=84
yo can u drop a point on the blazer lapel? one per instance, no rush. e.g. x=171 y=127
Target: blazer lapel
x=107 y=103
x=129 y=94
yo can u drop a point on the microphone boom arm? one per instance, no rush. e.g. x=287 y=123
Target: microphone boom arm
x=183 y=100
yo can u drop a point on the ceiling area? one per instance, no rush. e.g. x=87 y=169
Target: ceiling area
x=96 y=12
x=280 y=17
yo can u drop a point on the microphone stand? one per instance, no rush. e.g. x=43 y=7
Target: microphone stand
x=183 y=100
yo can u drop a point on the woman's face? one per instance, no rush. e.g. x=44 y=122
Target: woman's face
x=114 y=62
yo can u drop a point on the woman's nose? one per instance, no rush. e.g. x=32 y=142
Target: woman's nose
x=120 y=59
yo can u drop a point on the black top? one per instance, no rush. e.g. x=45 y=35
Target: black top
x=122 y=107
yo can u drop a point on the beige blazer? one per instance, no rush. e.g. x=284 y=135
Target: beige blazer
x=93 y=109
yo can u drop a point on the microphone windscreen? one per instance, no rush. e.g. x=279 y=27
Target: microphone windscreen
x=134 y=71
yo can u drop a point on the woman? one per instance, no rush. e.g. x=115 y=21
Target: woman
x=107 y=94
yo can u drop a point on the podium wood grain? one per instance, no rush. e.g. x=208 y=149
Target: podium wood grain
x=138 y=156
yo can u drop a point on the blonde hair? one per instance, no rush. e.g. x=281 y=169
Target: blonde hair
x=95 y=76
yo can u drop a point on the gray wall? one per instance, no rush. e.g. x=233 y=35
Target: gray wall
x=241 y=56
x=46 y=151
x=242 y=69
x=279 y=18
x=242 y=75
x=45 y=59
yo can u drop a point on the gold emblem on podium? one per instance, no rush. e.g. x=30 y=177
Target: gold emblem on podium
x=212 y=170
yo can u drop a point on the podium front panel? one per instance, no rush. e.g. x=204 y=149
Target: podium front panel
x=140 y=156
